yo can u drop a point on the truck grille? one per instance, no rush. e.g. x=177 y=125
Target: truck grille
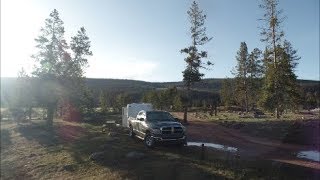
x=171 y=130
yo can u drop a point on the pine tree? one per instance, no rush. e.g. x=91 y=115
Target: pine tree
x=288 y=79
x=287 y=96
x=227 y=93
x=87 y=101
x=59 y=72
x=153 y=98
x=80 y=45
x=194 y=56
x=23 y=99
x=177 y=103
x=255 y=72
x=273 y=35
x=103 y=102
x=122 y=100
x=242 y=75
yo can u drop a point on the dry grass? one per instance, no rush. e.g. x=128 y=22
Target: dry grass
x=29 y=151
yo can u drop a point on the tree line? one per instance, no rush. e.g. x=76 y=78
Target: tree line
x=263 y=78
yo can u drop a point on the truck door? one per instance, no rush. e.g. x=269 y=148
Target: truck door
x=137 y=123
x=142 y=124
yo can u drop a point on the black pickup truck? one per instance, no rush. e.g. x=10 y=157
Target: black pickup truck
x=157 y=126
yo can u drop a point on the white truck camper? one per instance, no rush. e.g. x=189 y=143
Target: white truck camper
x=131 y=111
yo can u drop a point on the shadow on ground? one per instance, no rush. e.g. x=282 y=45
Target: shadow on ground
x=111 y=149
x=38 y=132
x=5 y=137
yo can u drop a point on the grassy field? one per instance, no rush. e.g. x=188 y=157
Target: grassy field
x=297 y=128
x=82 y=151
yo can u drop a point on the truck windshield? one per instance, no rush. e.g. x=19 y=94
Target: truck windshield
x=159 y=116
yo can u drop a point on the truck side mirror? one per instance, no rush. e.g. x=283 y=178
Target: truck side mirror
x=177 y=119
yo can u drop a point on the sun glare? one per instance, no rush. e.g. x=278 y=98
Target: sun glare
x=20 y=23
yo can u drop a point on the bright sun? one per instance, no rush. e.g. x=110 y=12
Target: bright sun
x=20 y=24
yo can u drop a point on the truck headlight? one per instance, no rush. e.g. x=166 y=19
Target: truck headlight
x=156 y=131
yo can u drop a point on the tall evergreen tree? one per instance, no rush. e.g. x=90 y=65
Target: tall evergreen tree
x=242 y=75
x=288 y=96
x=255 y=72
x=194 y=56
x=60 y=73
x=288 y=79
x=80 y=45
x=122 y=100
x=272 y=34
x=87 y=101
x=73 y=69
x=52 y=52
x=227 y=93
x=248 y=72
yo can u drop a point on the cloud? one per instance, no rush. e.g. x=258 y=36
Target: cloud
x=122 y=68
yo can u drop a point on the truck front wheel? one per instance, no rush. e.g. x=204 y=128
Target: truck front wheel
x=149 y=141
x=131 y=133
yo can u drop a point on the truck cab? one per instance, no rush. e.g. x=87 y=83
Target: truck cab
x=157 y=126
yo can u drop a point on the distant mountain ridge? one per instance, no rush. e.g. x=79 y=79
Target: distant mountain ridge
x=211 y=84
x=136 y=89
x=124 y=84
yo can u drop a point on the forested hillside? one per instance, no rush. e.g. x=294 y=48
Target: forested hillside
x=136 y=89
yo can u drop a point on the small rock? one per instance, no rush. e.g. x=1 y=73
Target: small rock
x=110 y=122
x=135 y=155
x=68 y=167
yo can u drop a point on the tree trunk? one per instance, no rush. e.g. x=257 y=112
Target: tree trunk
x=50 y=112
x=277 y=113
x=275 y=62
x=185 y=115
x=246 y=98
x=215 y=110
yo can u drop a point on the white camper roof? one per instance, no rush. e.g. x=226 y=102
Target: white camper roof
x=134 y=108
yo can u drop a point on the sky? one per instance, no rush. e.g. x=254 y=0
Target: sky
x=141 y=40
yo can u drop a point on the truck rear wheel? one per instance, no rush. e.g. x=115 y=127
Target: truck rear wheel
x=149 y=141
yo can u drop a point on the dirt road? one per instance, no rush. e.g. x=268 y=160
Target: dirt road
x=248 y=146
